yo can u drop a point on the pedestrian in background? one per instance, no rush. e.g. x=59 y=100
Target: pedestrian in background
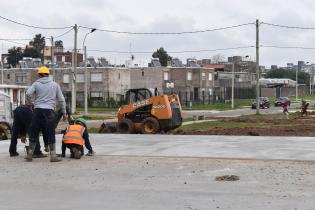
x=47 y=93
x=285 y=110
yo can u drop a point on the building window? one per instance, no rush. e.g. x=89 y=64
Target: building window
x=96 y=77
x=189 y=75
x=118 y=75
x=96 y=94
x=210 y=77
x=203 y=76
x=80 y=78
x=66 y=78
x=20 y=78
x=210 y=91
x=8 y=76
x=143 y=73
x=166 y=75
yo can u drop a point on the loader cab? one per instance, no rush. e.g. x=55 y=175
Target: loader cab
x=134 y=95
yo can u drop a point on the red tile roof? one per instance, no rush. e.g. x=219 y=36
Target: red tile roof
x=213 y=66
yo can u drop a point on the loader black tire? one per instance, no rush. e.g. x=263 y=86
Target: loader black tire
x=150 y=125
x=125 y=126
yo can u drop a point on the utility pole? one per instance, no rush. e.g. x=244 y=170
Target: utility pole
x=52 y=57
x=74 y=71
x=257 y=68
x=233 y=77
x=1 y=64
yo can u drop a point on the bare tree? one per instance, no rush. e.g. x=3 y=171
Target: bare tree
x=217 y=58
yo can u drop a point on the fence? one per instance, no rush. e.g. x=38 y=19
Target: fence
x=187 y=98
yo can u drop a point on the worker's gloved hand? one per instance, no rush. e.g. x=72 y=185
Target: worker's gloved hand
x=64 y=117
x=23 y=139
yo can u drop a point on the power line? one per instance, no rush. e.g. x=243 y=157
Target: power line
x=288 y=47
x=32 y=26
x=63 y=33
x=169 y=33
x=289 y=27
x=174 y=52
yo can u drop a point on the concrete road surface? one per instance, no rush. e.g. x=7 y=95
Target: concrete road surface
x=166 y=172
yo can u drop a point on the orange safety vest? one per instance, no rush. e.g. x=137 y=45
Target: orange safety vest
x=74 y=135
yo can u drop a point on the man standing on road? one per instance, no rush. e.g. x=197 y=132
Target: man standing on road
x=46 y=92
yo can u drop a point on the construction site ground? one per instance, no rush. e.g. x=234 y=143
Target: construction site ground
x=166 y=172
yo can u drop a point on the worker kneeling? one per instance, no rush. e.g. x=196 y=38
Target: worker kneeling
x=75 y=137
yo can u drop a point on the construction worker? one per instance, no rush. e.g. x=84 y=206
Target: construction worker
x=47 y=93
x=75 y=137
x=22 y=117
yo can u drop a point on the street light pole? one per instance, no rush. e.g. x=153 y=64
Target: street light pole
x=74 y=71
x=86 y=74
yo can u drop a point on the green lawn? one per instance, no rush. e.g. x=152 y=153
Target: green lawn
x=98 y=109
x=222 y=106
x=92 y=117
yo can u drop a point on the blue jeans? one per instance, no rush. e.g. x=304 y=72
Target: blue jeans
x=43 y=120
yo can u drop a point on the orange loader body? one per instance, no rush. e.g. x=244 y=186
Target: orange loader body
x=149 y=114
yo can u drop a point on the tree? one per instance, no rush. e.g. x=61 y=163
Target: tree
x=15 y=55
x=31 y=52
x=217 y=58
x=303 y=77
x=38 y=43
x=162 y=55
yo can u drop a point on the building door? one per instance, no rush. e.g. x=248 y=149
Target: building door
x=196 y=94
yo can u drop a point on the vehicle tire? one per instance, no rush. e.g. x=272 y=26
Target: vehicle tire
x=125 y=126
x=5 y=131
x=150 y=125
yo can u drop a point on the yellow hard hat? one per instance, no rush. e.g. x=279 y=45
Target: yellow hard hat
x=43 y=70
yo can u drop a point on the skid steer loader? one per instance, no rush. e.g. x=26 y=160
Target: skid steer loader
x=148 y=112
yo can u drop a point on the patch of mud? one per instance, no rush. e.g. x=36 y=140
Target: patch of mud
x=227 y=178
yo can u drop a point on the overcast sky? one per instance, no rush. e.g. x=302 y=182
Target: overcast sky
x=169 y=16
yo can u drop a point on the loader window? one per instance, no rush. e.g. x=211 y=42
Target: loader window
x=137 y=95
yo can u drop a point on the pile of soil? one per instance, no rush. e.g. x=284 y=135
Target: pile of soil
x=300 y=126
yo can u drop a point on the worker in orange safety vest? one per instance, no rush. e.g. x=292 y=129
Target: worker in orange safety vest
x=75 y=137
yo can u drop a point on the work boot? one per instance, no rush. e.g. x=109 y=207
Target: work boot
x=39 y=155
x=90 y=153
x=76 y=153
x=53 y=156
x=31 y=148
x=26 y=149
x=46 y=148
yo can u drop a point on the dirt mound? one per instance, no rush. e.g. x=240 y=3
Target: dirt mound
x=299 y=126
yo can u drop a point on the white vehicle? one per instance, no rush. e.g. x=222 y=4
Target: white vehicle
x=5 y=116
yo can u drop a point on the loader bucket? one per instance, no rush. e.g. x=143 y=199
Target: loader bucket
x=108 y=128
